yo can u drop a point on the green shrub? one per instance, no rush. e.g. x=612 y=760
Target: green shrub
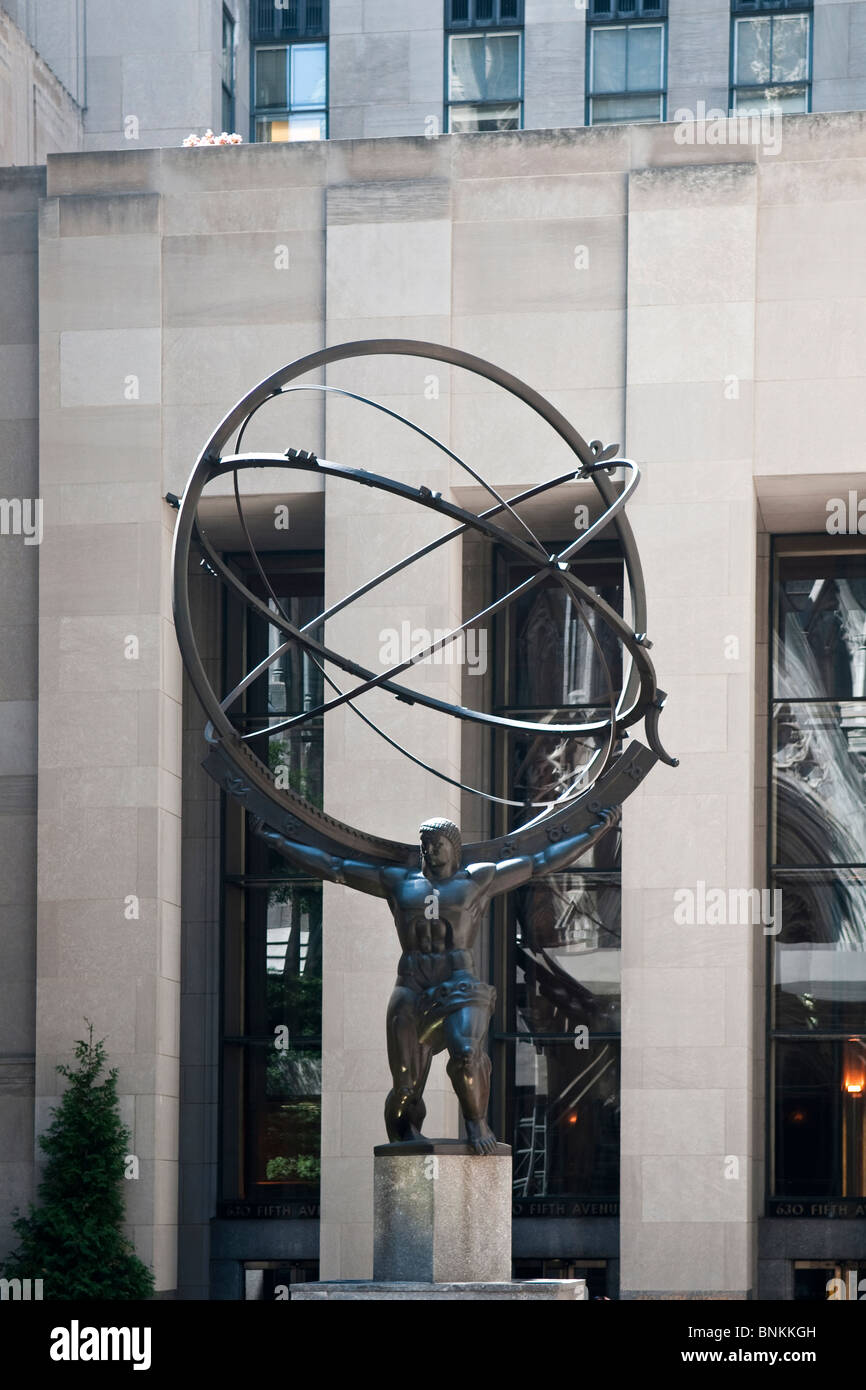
x=73 y=1240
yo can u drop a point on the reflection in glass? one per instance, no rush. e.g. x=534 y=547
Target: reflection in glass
x=820 y=953
x=821 y=628
x=626 y=109
x=271 y=77
x=468 y=119
x=819 y=1114
x=566 y=1120
x=309 y=74
x=818 y=769
x=285 y=1009
x=609 y=55
x=644 y=58
x=543 y=767
x=790 y=48
x=485 y=67
x=290 y=128
x=753 y=51
x=568 y=955
x=556 y=661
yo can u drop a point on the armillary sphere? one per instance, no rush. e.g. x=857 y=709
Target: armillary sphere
x=613 y=771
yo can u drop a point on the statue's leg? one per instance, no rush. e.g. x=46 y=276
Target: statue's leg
x=469 y=1071
x=416 y=1111
x=409 y=1068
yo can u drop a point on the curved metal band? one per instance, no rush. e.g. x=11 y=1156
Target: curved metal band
x=370 y=679
x=641 y=685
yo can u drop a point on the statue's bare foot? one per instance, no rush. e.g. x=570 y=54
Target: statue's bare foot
x=480 y=1136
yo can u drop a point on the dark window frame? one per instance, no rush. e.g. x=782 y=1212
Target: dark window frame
x=464 y=16
x=504 y=1036
x=229 y=91
x=766 y=7
x=289 y=21
x=627 y=11
x=243 y=871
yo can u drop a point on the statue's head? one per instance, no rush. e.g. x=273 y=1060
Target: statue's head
x=441 y=846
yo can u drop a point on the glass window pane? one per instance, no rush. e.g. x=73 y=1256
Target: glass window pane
x=619 y=110
x=468 y=119
x=566 y=1121
x=820 y=645
x=484 y=67
x=644 y=58
x=544 y=767
x=556 y=662
x=502 y=66
x=820 y=953
x=808 y=1100
x=281 y=128
x=820 y=1130
x=608 y=60
x=790 y=49
x=271 y=77
x=309 y=74
x=773 y=99
x=819 y=783
x=752 y=59
x=567 y=955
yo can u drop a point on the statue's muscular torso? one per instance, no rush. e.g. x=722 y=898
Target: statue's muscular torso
x=435 y=916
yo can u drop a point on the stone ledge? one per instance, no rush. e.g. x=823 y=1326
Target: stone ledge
x=523 y=1291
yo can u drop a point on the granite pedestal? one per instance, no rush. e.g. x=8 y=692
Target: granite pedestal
x=442 y=1213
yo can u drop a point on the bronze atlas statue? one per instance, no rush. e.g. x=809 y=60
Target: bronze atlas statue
x=438 y=897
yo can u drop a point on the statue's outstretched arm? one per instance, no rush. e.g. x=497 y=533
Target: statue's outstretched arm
x=356 y=874
x=564 y=852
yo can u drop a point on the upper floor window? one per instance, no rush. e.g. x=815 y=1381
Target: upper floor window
x=485 y=69
x=475 y=14
x=228 y=71
x=275 y=19
x=771 y=58
x=627 y=9
x=626 y=69
x=485 y=81
x=291 y=92
x=290 y=69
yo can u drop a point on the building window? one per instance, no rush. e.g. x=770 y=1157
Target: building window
x=290 y=69
x=484 y=69
x=228 y=71
x=291 y=92
x=485 y=82
x=557 y=941
x=627 y=9
x=477 y=14
x=288 y=19
x=817 y=852
x=771 y=60
x=272 y=941
x=626 y=72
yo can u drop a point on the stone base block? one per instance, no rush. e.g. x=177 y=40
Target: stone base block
x=528 y=1291
x=441 y=1213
